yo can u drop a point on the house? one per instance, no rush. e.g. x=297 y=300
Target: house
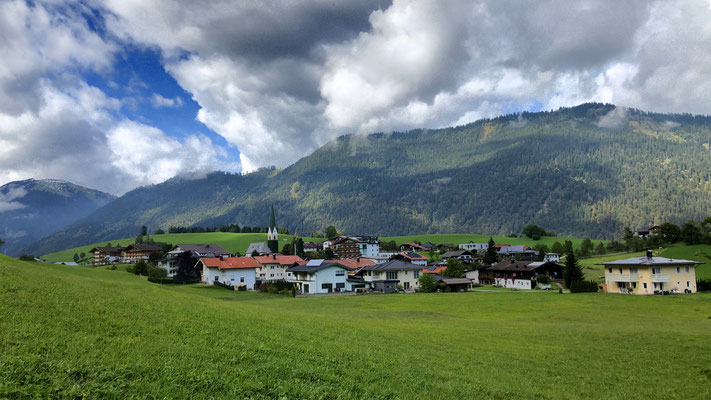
x=199 y=250
x=311 y=247
x=444 y=247
x=434 y=269
x=106 y=254
x=237 y=272
x=522 y=274
x=386 y=276
x=353 y=263
x=414 y=258
x=524 y=252
x=382 y=257
x=273 y=266
x=650 y=275
x=135 y=252
x=260 y=249
x=412 y=247
x=464 y=256
x=429 y=246
x=553 y=257
x=355 y=246
x=474 y=247
x=453 y=284
x=324 y=277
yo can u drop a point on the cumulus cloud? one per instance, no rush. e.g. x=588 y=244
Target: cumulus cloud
x=278 y=79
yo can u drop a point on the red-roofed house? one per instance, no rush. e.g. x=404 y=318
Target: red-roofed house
x=412 y=247
x=273 y=267
x=238 y=272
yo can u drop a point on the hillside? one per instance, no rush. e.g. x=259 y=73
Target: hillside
x=75 y=332
x=32 y=209
x=583 y=171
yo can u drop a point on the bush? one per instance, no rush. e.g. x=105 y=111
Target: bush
x=427 y=283
x=140 y=268
x=112 y=267
x=131 y=269
x=543 y=279
x=583 y=287
x=27 y=257
x=277 y=287
x=400 y=288
x=156 y=273
x=703 y=285
x=161 y=280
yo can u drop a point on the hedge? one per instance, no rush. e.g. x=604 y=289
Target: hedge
x=583 y=287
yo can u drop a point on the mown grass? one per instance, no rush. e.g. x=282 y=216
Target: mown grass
x=232 y=242
x=76 y=332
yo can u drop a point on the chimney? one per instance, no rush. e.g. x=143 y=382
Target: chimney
x=274 y=256
x=649 y=254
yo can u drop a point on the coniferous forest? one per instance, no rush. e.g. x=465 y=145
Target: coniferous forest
x=587 y=171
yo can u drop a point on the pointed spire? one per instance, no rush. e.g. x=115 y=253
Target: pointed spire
x=272 y=219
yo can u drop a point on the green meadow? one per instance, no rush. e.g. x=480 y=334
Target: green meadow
x=79 y=332
x=232 y=242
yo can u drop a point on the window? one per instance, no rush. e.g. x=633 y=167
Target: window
x=232 y=279
x=391 y=275
x=609 y=270
x=340 y=272
x=241 y=279
x=644 y=284
x=633 y=270
x=406 y=285
x=687 y=269
x=678 y=270
x=634 y=285
x=656 y=270
x=271 y=275
x=417 y=274
x=688 y=283
x=217 y=279
x=620 y=270
x=340 y=285
x=655 y=285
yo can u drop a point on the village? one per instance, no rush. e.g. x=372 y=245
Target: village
x=352 y=264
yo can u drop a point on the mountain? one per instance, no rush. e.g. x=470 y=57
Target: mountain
x=589 y=171
x=32 y=209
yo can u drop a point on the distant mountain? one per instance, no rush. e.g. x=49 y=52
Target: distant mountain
x=32 y=209
x=589 y=170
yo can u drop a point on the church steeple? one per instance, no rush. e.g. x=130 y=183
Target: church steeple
x=272 y=234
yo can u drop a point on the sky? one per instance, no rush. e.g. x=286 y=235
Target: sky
x=118 y=94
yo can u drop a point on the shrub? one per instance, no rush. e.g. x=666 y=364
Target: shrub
x=131 y=269
x=427 y=283
x=27 y=257
x=703 y=285
x=583 y=287
x=543 y=279
x=156 y=273
x=400 y=288
x=112 y=267
x=140 y=268
x=277 y=287
x=161 y=280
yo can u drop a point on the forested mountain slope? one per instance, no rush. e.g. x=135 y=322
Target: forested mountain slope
x=582 y=171
x=33 y=208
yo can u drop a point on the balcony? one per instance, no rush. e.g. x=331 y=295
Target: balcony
x=657 y=278
x=621 y=277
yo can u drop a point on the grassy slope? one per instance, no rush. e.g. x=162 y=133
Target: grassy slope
x=233 y=242
x=81 y=332
x=466 y=238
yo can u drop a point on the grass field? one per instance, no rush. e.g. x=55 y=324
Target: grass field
x=232 y=242
x=77 y=332
x=240 y=241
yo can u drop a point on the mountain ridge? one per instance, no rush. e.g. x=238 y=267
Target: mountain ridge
x=587 y=170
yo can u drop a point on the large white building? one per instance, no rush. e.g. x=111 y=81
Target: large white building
x=238 y=272
x=326 y=277
x=471 y=246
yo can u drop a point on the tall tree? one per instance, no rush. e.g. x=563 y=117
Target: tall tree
x=586 y=247
x=568 y=247
x=144 y=230
x=491 y=256
x=691 y=233
x=427 y=283
x=454 y=269
x=670 y=232
x=186 y=271
x=558 y=248
x=572 y=271
x=331 y=232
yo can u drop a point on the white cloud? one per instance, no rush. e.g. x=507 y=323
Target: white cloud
x=159 y=101
x=8 y=200
x=149 y=156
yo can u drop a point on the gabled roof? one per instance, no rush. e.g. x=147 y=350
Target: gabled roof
x=392 y=265
x=521 y=266
x=413 y=256
x=451 y=281
x=456 y=253
x=656 y=261
x=107 y=249
x=215 y=249
x=230 y=262
x=434 y=269
x=314 y=268
x=143 y=247
x=354 y=263
x=280 y=259
x=260 y=247
x=515 y=249
x=414 y=246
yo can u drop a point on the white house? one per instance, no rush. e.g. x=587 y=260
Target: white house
x=386 y=276
x=471 y=246
x=199 y=250
x=326 y=277
x=273 y=267
x=238 y=272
